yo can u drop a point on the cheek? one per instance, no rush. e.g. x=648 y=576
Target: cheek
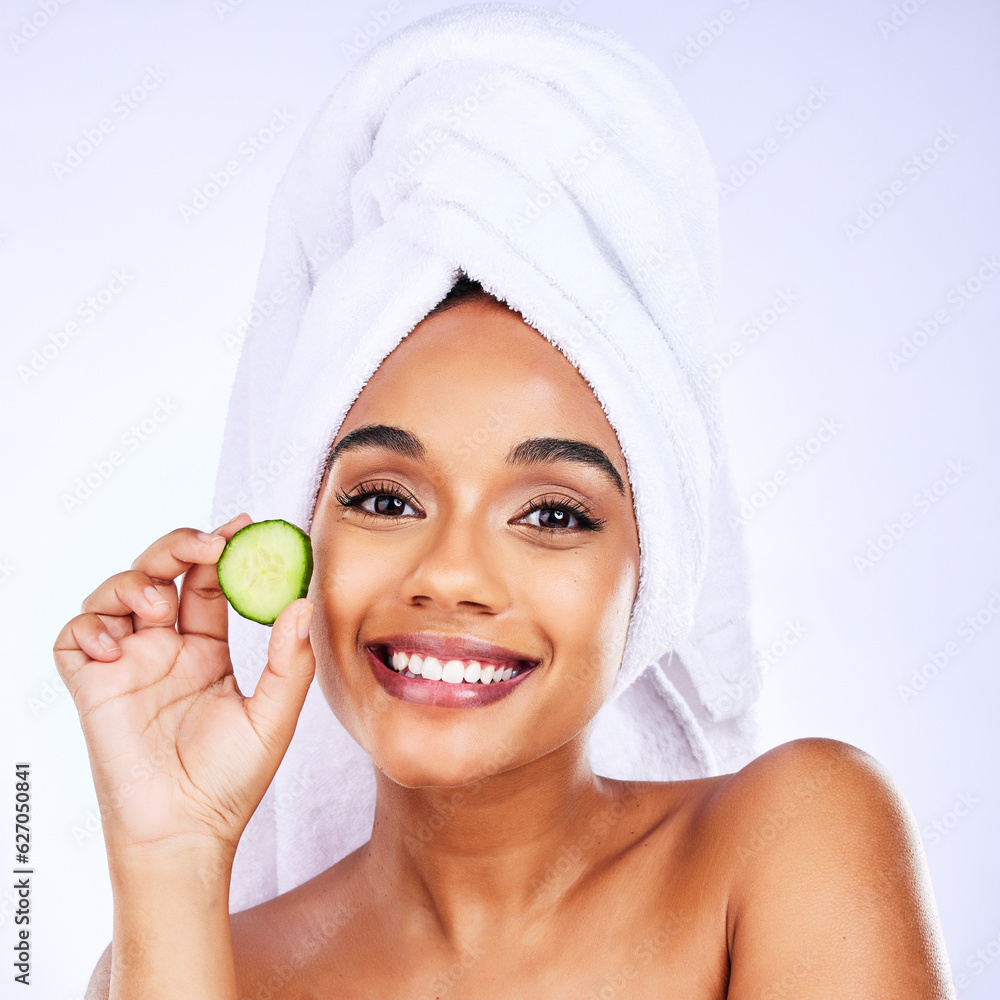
x=346 y=584
x=583 y=602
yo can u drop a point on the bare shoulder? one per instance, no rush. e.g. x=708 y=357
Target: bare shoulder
x=829 y=894
x=287 y=940
x=808 y=778
x=279 y=941
x=99 y=986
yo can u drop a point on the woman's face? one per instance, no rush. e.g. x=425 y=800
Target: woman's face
x=478 y=498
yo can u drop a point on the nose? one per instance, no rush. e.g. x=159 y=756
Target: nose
x=458 y=569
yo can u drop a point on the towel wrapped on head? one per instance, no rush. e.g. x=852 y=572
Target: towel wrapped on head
x=556 y=166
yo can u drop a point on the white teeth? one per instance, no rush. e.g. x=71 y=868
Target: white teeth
x=432 y=668
x=453 y=672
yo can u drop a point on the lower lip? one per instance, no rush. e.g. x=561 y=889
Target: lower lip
x=424 y=692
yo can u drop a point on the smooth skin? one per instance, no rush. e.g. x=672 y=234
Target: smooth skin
x=499 y=864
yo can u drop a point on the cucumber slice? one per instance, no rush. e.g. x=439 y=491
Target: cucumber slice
x=264 y=567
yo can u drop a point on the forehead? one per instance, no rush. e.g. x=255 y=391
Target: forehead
x=478 y=372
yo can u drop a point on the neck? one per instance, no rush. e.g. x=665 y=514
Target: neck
x=483 y=856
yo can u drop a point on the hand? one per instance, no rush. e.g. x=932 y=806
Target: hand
x=178 y=754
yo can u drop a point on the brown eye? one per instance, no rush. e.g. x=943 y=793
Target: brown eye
x=560 y=516
x=380 y=500
x=385 y=504
x=553 y=517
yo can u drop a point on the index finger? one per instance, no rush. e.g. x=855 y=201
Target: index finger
x=178 y=550
x=203 y=607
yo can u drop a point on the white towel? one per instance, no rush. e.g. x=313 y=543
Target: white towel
x=557 y=166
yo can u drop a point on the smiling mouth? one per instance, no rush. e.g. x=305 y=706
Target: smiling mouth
x=467 y=672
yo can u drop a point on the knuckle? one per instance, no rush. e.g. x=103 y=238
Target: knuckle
x=206 y=591
x=118 y=585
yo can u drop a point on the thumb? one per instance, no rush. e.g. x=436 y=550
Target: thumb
x=281 y=691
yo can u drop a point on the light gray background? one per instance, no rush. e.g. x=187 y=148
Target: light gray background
x=881 y=95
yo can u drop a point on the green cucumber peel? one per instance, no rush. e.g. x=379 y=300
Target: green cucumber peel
x=264 y=567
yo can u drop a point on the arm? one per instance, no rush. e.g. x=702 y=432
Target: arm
x=180 y=758
x=831 y=895
x=171 y=931
x=171 y=925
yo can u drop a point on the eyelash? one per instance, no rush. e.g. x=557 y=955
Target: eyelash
x=368 y=490
x=587 y=521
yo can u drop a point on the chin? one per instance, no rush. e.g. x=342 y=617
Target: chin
x=426 y=753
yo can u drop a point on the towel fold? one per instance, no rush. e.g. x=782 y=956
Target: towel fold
x=554 y=164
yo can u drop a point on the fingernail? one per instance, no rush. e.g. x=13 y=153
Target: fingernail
x=106 y=641
x=211 y=539
x=303 y=621
x=153 y=596
x=230 y=521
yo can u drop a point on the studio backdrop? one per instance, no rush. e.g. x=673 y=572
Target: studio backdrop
x=857 y=149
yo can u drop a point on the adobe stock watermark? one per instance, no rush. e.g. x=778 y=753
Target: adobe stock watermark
x=785 y=128
x=777 y=821
x=263 y=308
x=131 y=440
x=6 y=570
x=958 y=298
x=978 y=962
x=223 y=8
x=371 y=30
x=30 y=27
x=140 y=771
x=247 y=151
x=49 y=693
x=765 y=660
x=122 y=107
x=939 y=828
x=750 y=333
x=616 y=983
x=712 y=28
x=88 y=310
x=210 y=873
x=913 y=169
x=497 y=417
x=455 y=973
x=570 y=858
x=796 y=459
x=898 y=17
x=923 y=500
x=939 y=659
x=790 y=983
x=598 y=317
x=444 y=808
x=84 y=829
x=455 y=117
x=307 y=945
x=311 y=943
x=261 y=476
x=581 y=159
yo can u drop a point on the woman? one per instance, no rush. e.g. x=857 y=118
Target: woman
x=498 y=861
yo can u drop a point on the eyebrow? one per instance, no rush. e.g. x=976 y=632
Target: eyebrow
x=538 y=450
x=378 y=436
x=533 y=451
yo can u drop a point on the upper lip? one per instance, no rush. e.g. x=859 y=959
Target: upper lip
x=452 y=647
